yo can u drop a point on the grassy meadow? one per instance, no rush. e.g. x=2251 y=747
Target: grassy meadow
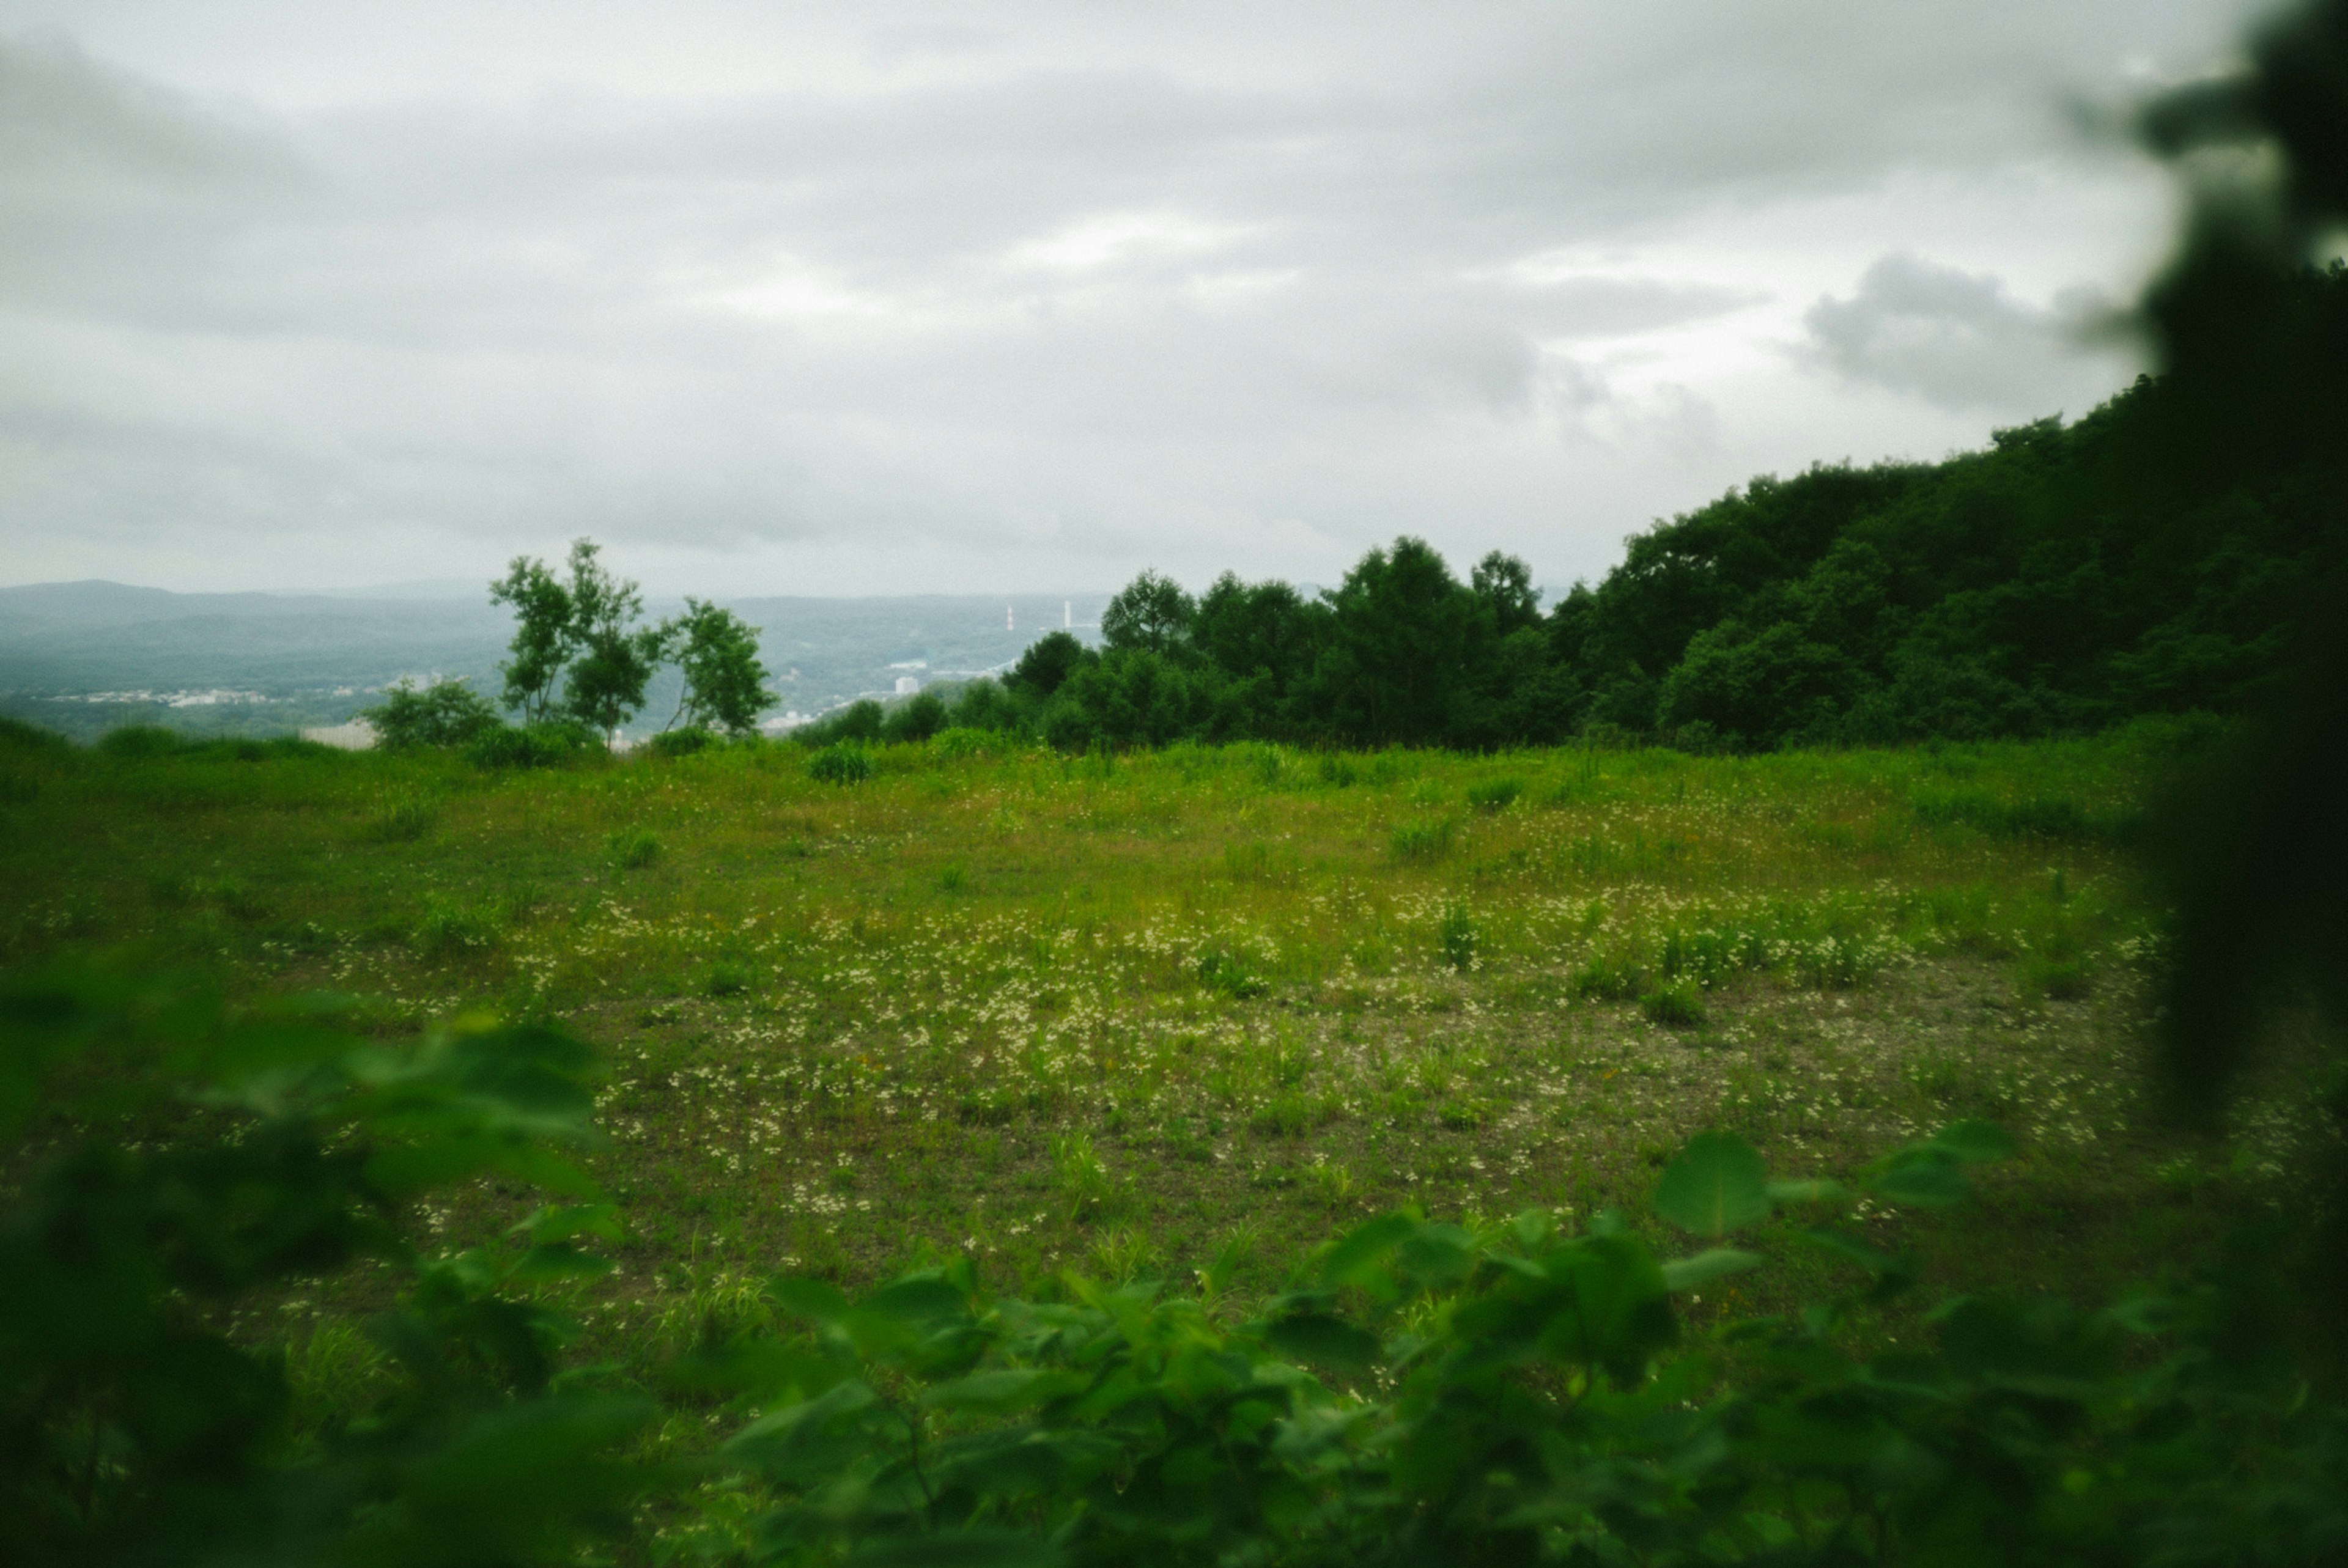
x=1126 y=1015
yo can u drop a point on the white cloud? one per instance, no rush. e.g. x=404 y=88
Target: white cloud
x=917 y=295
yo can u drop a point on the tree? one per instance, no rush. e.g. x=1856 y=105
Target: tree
x=1049 y=662
x=1151 y=611
x=1410 y=649
x=605 y=686
x=724 y=683
x=445 y=713
x=543 y=641
x=1504 y=584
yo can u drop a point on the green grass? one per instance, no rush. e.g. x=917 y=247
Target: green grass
x=1108 y=1013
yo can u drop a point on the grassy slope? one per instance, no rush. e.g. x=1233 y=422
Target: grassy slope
x=1107 y=1014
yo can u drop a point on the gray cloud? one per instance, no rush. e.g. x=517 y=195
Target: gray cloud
x=914 y=296
x=1954 y=338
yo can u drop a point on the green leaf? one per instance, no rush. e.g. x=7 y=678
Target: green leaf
x=809 y=1297
x=1003 y=1390
x=1328 y=1341
x=958 y=1549
x=1718 y=1185
x=1357 y=1256
x=1714 y=1263
x=1924 y=1183
x=1975 y=1141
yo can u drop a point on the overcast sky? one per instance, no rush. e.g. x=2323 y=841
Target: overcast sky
x=878 y=297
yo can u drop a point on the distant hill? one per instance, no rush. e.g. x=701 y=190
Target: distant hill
x=85 y=656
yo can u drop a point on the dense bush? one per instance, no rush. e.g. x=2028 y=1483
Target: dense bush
x=445 y=713
x=842 y=764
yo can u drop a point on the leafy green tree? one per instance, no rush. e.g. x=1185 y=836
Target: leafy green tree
x=725 y=682
x=1049 y=662
x=445 y=713
x=543 y=639
x=1410 y=650
x=604 y=686
x=1504 y=584
x=1151 y=611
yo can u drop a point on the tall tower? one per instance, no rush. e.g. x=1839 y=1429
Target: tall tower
x=1008 y=624
x=1068 y=614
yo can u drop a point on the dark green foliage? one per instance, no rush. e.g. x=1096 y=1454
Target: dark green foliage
x=613 y=655
x=717 y=652
x=133 y=1429
x=445 y=713
x=1679 y=1005
x=859 y=722
x=1457 y=938
x=1556 y=1406
x=844 y=763
x=681 y=742
x=531 y=745
x=543 y=639
x=16 y=735
x=138 y=742
x=1495 y=794
x=915 y=720
x=1150 y=612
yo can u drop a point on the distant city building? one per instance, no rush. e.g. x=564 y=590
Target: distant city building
x=908 y=685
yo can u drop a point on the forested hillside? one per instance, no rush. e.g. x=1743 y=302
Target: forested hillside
x=2067 y=578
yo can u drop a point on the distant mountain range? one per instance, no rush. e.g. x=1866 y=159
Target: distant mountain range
x=87 y=657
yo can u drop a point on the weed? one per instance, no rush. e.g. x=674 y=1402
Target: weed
x=1124 y=1255
x=2054 y=977
x=1679 y=1005
x=1337 y=770
x=403 y=817
x=1457 y=938
x=1495 y=794
x=631 y=849
x=449 y=929
x=1084 y=1181
x=726 y=979
x=844 y=763
x=1423 y=842
x=952 y=878
x=335 y=1373
x=1220 y=970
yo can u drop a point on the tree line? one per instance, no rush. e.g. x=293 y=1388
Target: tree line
x=2167 y=553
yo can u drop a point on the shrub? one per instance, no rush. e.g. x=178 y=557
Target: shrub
x=450 y=928
x=138 y=742
x=17 y=735
x=445 y=713
x=1423 y=842
x=726 y=979
x=917 y=719
x=1495 y=794
x=1679 y=1005
x=403 y=817
x=1457 y=938
x=960 y=741
x=844 y=763
x=681 y=742
x=631 y=849
x=1337 y=770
